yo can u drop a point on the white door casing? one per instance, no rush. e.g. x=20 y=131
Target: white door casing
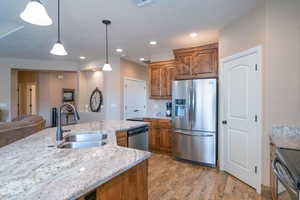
x=241 y=108
x=135 y=98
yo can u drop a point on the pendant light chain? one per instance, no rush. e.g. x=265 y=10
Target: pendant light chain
x=58 y=29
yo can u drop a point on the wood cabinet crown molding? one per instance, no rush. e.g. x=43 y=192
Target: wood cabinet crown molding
x=198 y=48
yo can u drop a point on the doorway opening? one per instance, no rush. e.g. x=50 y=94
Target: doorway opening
x=37 y=92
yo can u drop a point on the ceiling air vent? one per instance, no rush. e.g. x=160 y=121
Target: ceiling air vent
x=141 y=3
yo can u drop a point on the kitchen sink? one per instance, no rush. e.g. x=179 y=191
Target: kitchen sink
x=92 y=136
x=77 y=145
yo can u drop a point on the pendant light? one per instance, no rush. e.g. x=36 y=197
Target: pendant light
x=58 y=48
x=106 y=66
x=36 y=14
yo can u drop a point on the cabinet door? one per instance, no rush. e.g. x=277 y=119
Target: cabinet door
x=170 y=77
x=183 y=64
x=165 y=139
x=122 y=138
x=205 y=62
x=164 y=82
x=155 y=82
x=153 y=139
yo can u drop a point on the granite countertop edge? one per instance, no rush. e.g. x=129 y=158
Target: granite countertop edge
x=96 y=185
x=285 y=136
x=13 y=153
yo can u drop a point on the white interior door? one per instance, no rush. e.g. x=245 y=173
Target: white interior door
x=31 y=99
x=134 y=98
x=240 y=82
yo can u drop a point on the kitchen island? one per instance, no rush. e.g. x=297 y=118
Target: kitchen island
x=33 y=168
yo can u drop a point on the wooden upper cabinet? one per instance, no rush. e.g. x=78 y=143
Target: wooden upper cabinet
x=197 y=62
x=184 y=63
x=204 y=62
x=155 y=74
x=161 y=76
x=170 y=76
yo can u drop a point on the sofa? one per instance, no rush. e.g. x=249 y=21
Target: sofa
x=19 y=128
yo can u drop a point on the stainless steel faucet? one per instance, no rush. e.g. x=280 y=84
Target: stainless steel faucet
x=59 y=130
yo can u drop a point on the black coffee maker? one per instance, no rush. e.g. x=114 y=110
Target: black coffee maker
x=169 y=109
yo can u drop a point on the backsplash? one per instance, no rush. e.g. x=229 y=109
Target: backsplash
x=156 y=106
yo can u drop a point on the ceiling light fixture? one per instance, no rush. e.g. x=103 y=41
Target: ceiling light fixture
x=193 y=35
x=58 y=48
x=153 y=43
x=35 y=13
x=119 y=50
x=106 y=66
x=82 y=58
x=142 y=59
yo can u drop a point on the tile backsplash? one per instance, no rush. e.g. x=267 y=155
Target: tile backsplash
x=156 y=106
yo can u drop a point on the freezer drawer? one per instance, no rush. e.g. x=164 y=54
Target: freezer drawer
x=197 y=147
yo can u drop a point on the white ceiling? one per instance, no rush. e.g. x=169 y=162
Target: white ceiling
x=167 y=21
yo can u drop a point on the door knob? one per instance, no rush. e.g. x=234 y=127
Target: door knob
x=224 y=122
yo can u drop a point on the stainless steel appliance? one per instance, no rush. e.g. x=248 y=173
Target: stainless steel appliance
x=286 y=166
x=194 y=118
x=138 y=138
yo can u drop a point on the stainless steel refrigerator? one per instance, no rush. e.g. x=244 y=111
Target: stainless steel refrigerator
x=194 y=118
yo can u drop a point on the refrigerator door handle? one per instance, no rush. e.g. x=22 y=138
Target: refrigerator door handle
x=191 y=106
x=191 y=134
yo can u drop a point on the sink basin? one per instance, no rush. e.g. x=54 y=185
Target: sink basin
x=76 y=145
x=85 y=136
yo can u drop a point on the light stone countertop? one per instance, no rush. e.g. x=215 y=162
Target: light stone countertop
x=286 y=137
x=30 y=169
x=153 y=116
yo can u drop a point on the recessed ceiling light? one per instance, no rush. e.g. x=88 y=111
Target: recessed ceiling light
x=119 y=50
x=142 y=59
x=193 y=35
x=82 y=57
x=153 y=42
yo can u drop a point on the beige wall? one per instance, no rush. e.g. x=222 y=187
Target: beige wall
x=244 y=33
x=133 y=70
x=275 y=25
x=88 y=81
x=50 y=90
x=111 y=86
x=6 y=66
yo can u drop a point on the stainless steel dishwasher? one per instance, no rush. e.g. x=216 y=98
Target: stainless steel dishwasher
x=138 y=138
x=286 y=167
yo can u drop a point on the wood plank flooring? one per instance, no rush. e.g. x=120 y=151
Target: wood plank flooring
x=174 y=180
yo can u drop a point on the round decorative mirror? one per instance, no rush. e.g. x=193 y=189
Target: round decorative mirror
x=96 y=100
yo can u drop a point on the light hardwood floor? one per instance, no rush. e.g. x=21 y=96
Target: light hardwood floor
x=174 y=180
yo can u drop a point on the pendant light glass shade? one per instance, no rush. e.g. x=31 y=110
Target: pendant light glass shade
x=58 y=49
x=35 y=13
x=107 y=68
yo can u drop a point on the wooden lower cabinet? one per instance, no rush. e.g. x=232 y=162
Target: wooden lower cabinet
x=122 y=138
x=153 y=139
x=130 y=185
x=160 y=135
x=165 y=140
